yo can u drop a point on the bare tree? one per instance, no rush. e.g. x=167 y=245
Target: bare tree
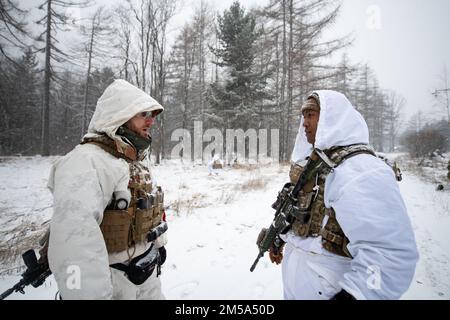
x=188 y=51
x=302 y=52
x=95 y=35
x=395 y=104
x=204 y=28
x=379 y=108
x=144 y=12
x=150 y=20
x=53 y=20
x=12 y=28
x=344 y=78
x=165 y=11
x=442 y=94
x=123 y=31
x=179 y=69
x=424 y=142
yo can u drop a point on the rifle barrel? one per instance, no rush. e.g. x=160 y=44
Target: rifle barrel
x=17 y=287
x=6 y=293
x=256 y=261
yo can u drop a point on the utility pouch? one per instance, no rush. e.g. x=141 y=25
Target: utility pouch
x=115 y=228
x=295 y=172
x=305 y=200
x=142 y=267
x=143 y=223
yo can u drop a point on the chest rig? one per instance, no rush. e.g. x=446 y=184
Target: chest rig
x=123 y=228
x=311 y=201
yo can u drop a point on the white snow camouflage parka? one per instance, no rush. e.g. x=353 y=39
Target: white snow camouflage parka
x=82 y=183
x=369 y=208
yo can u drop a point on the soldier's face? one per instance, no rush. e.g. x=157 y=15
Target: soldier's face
x=310 y=121
x=141 y=123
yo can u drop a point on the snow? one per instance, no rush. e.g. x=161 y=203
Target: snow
x=430 y=216
x=213 y=224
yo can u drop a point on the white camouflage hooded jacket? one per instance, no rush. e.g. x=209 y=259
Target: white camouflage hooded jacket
x=369 y=208
x=82 y=183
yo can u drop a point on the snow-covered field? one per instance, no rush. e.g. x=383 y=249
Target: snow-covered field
x=213 y=225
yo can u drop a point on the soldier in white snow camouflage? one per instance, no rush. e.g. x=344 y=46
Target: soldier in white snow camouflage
x=107 y=234
x=356 y=240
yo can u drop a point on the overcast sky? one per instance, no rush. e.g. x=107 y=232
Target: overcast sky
x=410 y=48
x=407 y=46
x=406 y=42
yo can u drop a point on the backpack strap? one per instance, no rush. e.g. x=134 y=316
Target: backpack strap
x=108 y=145
x=338 y=155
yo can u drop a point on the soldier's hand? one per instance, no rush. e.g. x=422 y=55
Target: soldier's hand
x=276 y=254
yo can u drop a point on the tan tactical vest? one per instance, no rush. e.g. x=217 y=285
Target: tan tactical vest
x=311 y=200
x=122 y=229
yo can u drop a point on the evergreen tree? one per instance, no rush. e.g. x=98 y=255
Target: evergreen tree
x=28 y=83
x=236 y=101
x=20 y=105
x=67 y=103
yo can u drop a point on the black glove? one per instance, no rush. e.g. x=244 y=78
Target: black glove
x=343 y=295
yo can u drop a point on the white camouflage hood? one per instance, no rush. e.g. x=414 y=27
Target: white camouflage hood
x=340 y=124
x=119 y=103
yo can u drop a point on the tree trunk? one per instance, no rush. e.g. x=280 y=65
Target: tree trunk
x=290 y=77
x=45 y=150
x=202 y=60
x=86 y=86
x=283 y=146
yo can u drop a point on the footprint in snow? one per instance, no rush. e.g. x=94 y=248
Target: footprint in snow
x=184 y=290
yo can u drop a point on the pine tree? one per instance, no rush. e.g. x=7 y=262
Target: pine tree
x=20 y=105
x=28 y=80
x=67 y=105
x=236 y=101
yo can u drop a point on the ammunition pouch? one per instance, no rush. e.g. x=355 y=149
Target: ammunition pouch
x=140 y=223
x=310 y=209
x=116 y=229
x=123 y=228
x=142 y=267
x=295 y=172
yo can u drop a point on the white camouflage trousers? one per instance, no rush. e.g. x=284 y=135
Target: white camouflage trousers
x=124 y=289
x=311 y=276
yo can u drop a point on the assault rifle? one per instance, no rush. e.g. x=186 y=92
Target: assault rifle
x=286 y=205
x=35 y=274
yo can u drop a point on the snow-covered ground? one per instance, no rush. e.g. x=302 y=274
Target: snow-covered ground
x=213 y=225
